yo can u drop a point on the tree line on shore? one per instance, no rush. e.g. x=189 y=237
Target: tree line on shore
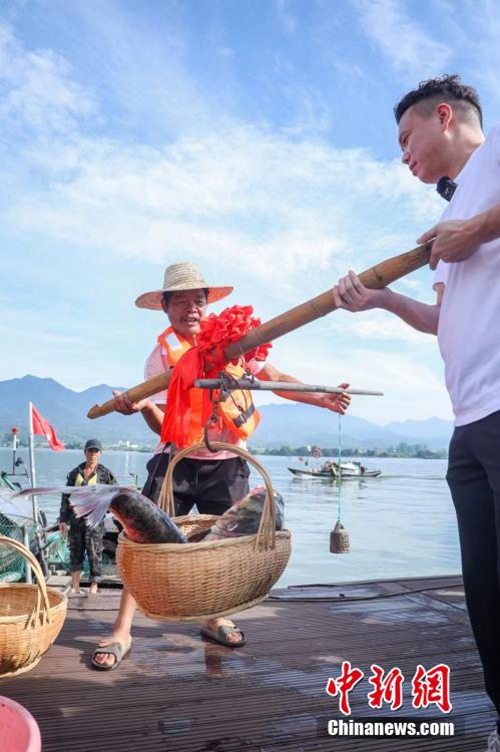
x=420 y=451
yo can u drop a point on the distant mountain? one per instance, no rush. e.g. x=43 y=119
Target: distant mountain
x=297 y=424
x=432 y=430
x=288 y=423
x=67 y=410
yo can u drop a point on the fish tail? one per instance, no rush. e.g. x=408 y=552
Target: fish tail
x=40 y=491
x=93 y=502
x=93 y=509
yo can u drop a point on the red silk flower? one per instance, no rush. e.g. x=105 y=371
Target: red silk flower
x=206 y=359
x=219 y=331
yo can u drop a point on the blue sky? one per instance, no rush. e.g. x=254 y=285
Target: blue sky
x=255 y=138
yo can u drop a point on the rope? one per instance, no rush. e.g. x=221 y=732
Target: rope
x=228 y=383
x=213 y=420
x=339 y=507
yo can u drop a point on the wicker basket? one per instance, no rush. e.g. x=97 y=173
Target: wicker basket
x=199 y=581
x=31 y=617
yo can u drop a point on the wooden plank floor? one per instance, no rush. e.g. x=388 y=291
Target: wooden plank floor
x=179 y=693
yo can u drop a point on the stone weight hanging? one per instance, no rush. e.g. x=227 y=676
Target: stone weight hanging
x=339 y=539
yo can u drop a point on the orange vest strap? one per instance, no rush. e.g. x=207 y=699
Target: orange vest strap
x=238 y=412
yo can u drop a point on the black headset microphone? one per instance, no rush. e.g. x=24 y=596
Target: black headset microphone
x=446 y=187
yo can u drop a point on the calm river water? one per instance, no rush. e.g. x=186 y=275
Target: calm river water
x=400 y=524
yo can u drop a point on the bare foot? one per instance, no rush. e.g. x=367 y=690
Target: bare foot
x=93 y=588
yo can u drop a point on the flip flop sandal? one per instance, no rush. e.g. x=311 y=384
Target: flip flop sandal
x=114 y=648
x=221 y=633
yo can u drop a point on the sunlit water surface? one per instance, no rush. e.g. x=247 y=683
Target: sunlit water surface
x=400 y=524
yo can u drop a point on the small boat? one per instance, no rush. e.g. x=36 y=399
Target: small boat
x=330 y=470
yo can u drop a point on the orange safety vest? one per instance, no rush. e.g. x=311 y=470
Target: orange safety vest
x=238 y=411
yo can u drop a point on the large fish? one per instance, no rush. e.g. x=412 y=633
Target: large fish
x=243 y=518
x=143 y=521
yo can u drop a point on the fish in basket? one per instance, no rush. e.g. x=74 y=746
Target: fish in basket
x=31 y=617
x=216 y=576
x=144 y=522
x=231 y=562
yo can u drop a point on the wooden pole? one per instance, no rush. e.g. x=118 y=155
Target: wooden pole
x=280 y=386
x=376 y=278
x=135 y=394
x=31 y=445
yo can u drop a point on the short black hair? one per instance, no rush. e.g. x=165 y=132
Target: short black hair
x=447 y=88
x=166 y=294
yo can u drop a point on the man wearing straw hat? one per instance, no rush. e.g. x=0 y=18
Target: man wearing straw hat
x=440 y=134
x=211 y=481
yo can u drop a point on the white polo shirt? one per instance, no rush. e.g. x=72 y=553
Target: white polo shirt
x=469 y=320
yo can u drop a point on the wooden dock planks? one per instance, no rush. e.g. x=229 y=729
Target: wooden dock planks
x=179 y=693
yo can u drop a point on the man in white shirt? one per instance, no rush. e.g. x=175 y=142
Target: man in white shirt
x=212 y=481
x=440 y=133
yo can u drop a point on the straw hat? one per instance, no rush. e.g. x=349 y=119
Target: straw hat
x=183 y=276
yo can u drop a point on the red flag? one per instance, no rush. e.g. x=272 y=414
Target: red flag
x=42 y=427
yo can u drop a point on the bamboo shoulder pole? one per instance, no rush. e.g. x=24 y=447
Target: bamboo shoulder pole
x=376 y=278
x=135 y=394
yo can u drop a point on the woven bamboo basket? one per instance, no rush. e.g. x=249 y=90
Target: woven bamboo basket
x=31 y=617
x=199 y=581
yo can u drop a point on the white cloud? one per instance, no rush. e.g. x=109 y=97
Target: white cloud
x=475 y=30
x=143 y=66
x=226 y=52
x=349 y=69
x=273 y=205
x=312 y=112
x=392 y=371
x=379 y=326
x=404 y=379
x=276 y=212
x=411 y=380
x=287 y=20
x=267 y=204
x=37 y=88
x=402 y=39
x=40 y=336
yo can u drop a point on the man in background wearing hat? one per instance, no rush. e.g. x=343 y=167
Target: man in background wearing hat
x=80 y=537
x=211 y=481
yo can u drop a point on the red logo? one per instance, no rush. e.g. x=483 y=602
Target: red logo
x=388 y=689
x=432 y=687
x=429 y=687
x=343 y=685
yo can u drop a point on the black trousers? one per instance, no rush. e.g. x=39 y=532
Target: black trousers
x=213 y=485
x=474 y=480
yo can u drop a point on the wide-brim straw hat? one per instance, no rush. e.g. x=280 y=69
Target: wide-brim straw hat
x=183 y=276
